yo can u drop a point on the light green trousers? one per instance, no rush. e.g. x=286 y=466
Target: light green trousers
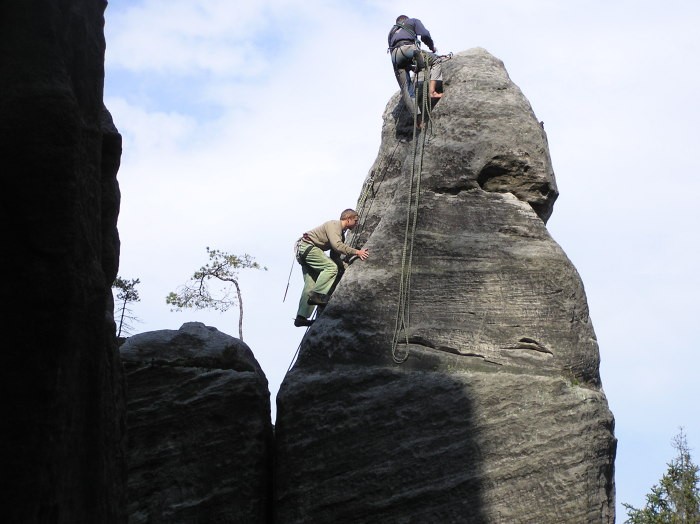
x=319 y=273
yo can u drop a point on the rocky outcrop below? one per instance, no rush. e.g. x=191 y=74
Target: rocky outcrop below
x=199 y=445
x=63 y=423
x=454 y=375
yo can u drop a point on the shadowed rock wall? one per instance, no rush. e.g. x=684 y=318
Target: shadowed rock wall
x=63 y=426
x=199 y=428
x=496 y=413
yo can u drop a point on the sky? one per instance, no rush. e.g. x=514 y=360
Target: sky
x=246 y=123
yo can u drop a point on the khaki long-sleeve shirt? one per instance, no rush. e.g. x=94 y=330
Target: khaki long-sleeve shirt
x=330 y=235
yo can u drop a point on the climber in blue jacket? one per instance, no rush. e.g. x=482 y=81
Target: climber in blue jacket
x=404 y=46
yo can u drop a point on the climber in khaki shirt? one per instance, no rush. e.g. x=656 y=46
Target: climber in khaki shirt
x=320 y=272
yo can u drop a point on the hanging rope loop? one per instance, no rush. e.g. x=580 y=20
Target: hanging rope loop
x=402 y=321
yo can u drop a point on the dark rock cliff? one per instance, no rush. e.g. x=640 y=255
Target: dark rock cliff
x=63 y=425
x=199 y=447
x=453 y=377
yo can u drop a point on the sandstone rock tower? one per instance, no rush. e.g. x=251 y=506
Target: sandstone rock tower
x=481 y=400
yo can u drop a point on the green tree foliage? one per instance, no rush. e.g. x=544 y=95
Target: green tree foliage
x=126 y=293
x=222 y=267
x=676 y=499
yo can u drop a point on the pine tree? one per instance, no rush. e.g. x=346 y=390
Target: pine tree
x=223 y=267
x=676 y=499
x=126 y=293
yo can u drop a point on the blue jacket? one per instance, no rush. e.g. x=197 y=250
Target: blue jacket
x=399 y=33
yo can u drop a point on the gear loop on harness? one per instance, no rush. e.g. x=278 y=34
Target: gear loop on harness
x=299 y=258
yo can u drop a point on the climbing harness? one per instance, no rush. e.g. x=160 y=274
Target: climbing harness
x=413 y=40
x=302 y=256
x=298 y=258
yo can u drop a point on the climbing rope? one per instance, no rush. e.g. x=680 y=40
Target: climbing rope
x=369 y=191
x=296 y=353
x=402 y=321
x=369 y=188
x=289 y=278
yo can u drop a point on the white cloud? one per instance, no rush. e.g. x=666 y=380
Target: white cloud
x=151 y=134
x=181 y=37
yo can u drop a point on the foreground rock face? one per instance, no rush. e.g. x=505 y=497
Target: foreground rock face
x=479 y=399
x=63 y=422
x=199 y=428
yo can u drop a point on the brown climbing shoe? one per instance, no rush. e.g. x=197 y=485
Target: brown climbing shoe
x=317 y=299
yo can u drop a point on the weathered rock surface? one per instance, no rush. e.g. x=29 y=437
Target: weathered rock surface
x=199 y=445
x=496 y=413
x=62 y=437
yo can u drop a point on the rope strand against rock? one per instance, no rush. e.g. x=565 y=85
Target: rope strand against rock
x=364 y=203
x=402 y=322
